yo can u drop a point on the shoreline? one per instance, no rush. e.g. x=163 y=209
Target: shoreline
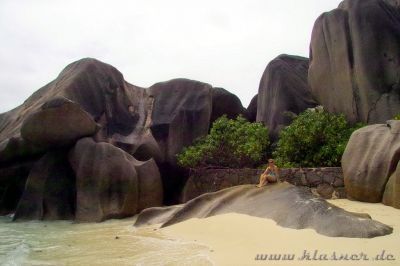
x=237 y=239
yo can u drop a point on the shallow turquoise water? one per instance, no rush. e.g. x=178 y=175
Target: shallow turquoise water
x=114 y=242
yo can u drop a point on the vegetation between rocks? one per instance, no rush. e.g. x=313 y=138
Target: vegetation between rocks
x=315 y=138
x=232 y=143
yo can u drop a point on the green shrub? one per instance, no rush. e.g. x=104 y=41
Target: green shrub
x=397 y=117
x=314 y=138
x=231 y=143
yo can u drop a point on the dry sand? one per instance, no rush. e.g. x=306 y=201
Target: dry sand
x=236 y=239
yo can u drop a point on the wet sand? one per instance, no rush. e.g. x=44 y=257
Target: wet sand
x=236 y=239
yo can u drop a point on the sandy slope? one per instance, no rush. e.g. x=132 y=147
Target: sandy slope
x=236 y=239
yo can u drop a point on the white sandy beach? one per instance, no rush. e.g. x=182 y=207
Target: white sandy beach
x=236 y=239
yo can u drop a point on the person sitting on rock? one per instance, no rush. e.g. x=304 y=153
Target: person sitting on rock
x=270 y=175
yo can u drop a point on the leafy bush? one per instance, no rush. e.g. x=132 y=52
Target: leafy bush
x=315 y=138
x=231 y=143
x=397 y=117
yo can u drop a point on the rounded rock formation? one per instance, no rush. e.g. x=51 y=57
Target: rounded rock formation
x=181 y=114
x=391 y=196
x=294 y=207
x=283 y=92
x=58 y=123
x=110 y=183
x=225 y=103
x=354 y=60
x=121 y=109
x=252 y=109
x=91 y=99
x=370 y=158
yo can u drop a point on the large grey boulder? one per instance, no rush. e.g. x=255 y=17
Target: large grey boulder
x=59 y=122
x=88 y=98
x=370 y=158
x=252 y=109
x=283 y=92
x=112 y=184
x=91 y=99
x=87 y=87
x=181 y=114
x=225 y=103
x=288 y=205
x=391 y=196
x=354 y=56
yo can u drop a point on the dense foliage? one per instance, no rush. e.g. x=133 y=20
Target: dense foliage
x=231 y=143
x=314 y=138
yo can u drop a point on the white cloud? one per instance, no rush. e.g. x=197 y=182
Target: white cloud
x=224 y=43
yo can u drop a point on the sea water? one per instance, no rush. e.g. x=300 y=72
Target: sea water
x=114 y=242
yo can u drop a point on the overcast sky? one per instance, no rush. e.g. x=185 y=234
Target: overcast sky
x=226 y=43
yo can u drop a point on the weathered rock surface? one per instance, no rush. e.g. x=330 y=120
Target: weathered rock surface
x=225 y=103
x=252 y=109
x=157 y=215
x=99 y=89
x=283 y=92
x=58 y=123
x=293 y=207
x=150 y=185
x=354 y=60
x=370 y=158
x=91 y=99
x=86 y=96
x=49 y=191
x=92 y=84
x=181 y=114
x=112 y=184
x=391 y=195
